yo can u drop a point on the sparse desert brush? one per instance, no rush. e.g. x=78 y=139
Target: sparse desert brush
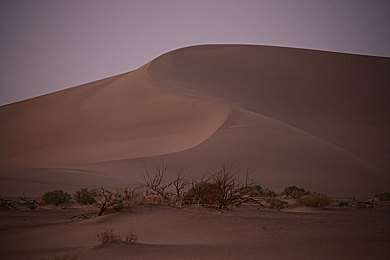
x=293 y=192
x=268 y=192
x=275 y=203
x=342 y=203
x=86 y=196
x=383 y=196
x=315 y=200
x=253 y=190
x=108 y=236
x=222 y=189
x=56 y=197
x=202 y=192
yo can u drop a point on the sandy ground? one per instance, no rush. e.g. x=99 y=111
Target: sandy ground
x=199 y=233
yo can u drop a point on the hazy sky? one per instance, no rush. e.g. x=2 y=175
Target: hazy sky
x=51 y=45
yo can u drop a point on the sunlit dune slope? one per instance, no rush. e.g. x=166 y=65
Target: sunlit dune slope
x=125 y=116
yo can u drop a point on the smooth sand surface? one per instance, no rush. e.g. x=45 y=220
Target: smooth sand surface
x=293 y=117
x=199 y=233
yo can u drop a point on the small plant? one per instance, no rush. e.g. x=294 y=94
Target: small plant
x=342 y=203
x=383 y=196
x=315 y=200
x=275 y=203
x=56 y=197
x=202 y=192
x=254 y=191
x=85 y=196
x=360 y=205
x=108 y=236
x=294 y=192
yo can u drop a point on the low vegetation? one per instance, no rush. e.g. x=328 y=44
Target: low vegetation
x=294 y=192
x=383 y=196
x=108 y=236
x=275 y=203
x=86 y=196
x=56 y=197
x=314 y=199
x=220 y=189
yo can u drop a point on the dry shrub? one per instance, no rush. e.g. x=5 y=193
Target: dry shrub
x=383 y=196
x=315 y=200
x=111 y=201
x=222 y=189
x=156 y=184
x=108 y=236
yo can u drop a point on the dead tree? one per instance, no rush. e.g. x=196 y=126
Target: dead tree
x=106 y=198
x=156 y=183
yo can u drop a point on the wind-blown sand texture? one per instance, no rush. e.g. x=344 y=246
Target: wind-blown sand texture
x=294 y=117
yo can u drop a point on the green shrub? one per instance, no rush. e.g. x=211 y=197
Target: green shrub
x=275 y=203
x=269 y=193
x=202 y=192
x=294 y=192
x=343 y=203
x=56 y=197
x=85 y=196
x=315 y=200
x=383 y=196
x=254 y=190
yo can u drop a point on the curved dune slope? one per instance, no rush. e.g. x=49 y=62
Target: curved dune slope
x=341 y=98
x=125 y=116
x=294 y=117
x=300 y=117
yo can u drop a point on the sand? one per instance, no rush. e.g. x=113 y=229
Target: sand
x=314 y=119
x=293 y=117
x=199 y=233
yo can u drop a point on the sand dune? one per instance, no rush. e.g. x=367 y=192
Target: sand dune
x=125 y=116
x=295 y=117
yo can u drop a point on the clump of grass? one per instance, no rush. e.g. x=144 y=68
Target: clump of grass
x=315 y=200
x=275 y=203
x=56 y=197
x=383 y=196
x=108 y=236
x=85 y=196
x=294 y=192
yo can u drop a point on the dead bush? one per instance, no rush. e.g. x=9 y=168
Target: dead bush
x=108 y=236
x=315 y=200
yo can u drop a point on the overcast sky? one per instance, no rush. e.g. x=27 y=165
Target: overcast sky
x=51 y=45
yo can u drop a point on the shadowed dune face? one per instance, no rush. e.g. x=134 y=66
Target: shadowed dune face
x=295 y=117
x=341 y=98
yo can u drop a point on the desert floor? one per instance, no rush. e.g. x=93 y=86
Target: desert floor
x=198 y=233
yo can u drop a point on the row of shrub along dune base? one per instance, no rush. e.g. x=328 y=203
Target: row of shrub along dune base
x=220 y=189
